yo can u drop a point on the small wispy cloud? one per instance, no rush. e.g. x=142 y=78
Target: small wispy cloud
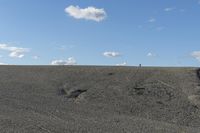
x=151 y=54
x=35 y=57
x=152 y=20
x=65 y=47
x=168 y=9
x=160 y=28
x=3 y=63
x=15 y=52
x=89 y=13
x=182 y=10
x=122 y=64
x=196 y=55
x=69 y=61
x=111 y=54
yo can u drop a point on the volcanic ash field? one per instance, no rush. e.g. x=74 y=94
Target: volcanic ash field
x=89 y=99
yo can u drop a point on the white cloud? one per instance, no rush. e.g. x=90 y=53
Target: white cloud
x=152 y=20
x=196 y=55
x=122 y=64
x=151 y=55
x=3 y=63
x=35 y=57
x=65 y=47
x=89 y=13
x=169 y=9
x=111 y=54
x=15 y=52
x=160 y=28
x=69 y=61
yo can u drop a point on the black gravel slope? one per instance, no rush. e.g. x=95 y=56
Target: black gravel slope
x=80 y=99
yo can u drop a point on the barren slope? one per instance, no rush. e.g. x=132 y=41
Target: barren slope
x=61 y=99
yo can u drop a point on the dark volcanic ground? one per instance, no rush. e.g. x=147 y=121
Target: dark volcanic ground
x=77 y=99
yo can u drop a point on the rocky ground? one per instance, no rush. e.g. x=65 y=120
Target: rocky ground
x=89 y=99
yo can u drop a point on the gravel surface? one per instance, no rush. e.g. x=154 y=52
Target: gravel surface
x=92 y=99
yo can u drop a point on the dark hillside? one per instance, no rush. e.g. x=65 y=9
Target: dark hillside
x=66 y=99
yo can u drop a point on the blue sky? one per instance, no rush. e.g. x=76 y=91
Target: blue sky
x=100 y=32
